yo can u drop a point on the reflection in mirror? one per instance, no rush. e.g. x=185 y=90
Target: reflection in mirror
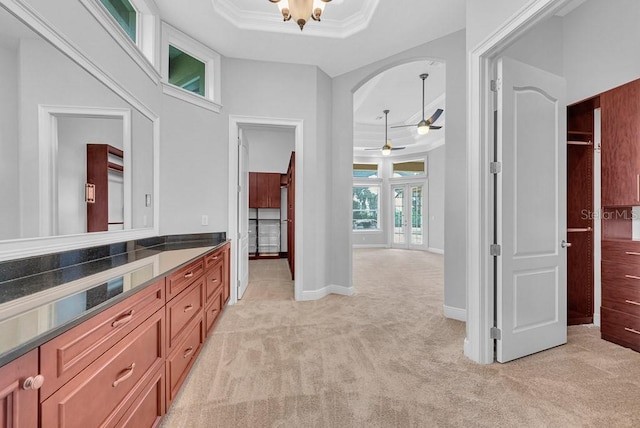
x=51 y=112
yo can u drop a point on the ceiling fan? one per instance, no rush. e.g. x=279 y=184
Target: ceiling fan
x=386 y=149
x=425 y=124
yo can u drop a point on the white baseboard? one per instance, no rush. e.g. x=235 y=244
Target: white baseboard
x=329 y=289
x=435 y=250
x=370 y=246
x=455 y=313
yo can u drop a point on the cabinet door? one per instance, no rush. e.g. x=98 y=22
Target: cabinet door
x=621 y=145
x=19 y=406
x=273 y=181
x=253 y=190
x=262 y=190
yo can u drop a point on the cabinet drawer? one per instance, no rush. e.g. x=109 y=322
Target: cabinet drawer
x=179 y=280
x=620 y=328
x=618 y=273
x=180 y=361
x=621 y=252
x=622 y=298
x=182 y=310
x=214 y=279
x=213 y=258
x=148 y=407
x=68 y=354
x=96 y=396
x=214 y=308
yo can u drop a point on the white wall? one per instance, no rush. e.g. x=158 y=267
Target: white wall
x=269 y=148
x=73 y=136
x=486 y=16
x=436 y=172
x=541 y=47
x=601 y=47
x=450 y=49
x=10 y=212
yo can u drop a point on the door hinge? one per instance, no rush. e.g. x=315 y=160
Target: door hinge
x=496 y=85
x=239 y=142
x=239 y=236
x=239 y=189
x=495 y=333
x=495 y=249
x=495 y=167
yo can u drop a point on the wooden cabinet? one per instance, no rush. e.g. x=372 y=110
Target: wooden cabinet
x=621 y=145
x=19 y=406
x=124 y=366
x=101 y=394
x=264 y=190
x=105 y=167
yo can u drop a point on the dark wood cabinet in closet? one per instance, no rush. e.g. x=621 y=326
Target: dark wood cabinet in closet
x=621 y=145
x=264 y=190
x=580 y=209
x=620 y=309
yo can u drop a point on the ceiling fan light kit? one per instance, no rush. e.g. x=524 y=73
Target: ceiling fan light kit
x=301 y=10
x=425 y=124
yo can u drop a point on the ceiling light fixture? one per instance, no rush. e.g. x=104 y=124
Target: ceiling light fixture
x=386 y=149
x=301 y=10
x=423 y=125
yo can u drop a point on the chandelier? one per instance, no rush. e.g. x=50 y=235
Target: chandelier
x=301 y=10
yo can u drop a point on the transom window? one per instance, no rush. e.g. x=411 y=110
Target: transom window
x=365 y=170
x=186 y=72
x=366 y=207
x=408 y=169
x=125 y=14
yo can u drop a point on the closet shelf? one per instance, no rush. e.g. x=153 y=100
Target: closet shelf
x=579 y=143
x=580 y=132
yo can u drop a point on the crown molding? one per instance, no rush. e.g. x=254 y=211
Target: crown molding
x=330 y=28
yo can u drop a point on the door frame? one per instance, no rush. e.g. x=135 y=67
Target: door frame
x=235 y=122
x=478 y=345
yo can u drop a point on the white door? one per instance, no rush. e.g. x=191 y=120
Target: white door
x=243 y=215
x=407 y=204
x=531 y=280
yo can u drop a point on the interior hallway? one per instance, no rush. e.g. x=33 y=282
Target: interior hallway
x=269 y=279
x=386 y=357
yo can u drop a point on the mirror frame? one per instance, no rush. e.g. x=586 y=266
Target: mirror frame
x=20 y=248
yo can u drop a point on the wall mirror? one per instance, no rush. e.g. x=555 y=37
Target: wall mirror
x=75 y=157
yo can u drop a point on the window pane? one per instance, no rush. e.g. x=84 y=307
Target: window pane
x=365 y=170
x=408 y=169
x=365 y=207
x=416 y=215
x=398 y=215
x=124 y=13
x=186 y=71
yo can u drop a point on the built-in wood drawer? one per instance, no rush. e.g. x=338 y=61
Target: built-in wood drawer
x=622 y=298
x=68 y=354
x=214 y=279
x=625 y=252
x=214 y=308
x=214 y=257
x=619 y=273
x=182 y=310
x=179 y=280
x=180 y=360
x=620 y=328
x=99 y=394
x=149 y=406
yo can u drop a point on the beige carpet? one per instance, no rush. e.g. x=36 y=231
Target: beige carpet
x=386 y=357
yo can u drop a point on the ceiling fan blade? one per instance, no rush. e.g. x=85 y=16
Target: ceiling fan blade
x=402 y=126
x=435 y=116
x=434 y=127
x=376 y=148
x=398 y=148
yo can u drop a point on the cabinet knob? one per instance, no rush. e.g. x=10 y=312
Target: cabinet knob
x=33 y=382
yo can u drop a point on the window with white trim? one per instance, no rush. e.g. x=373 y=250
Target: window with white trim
x=366 y=207
x=190 y=70
x=125 y=14
x=409 y=169
x=365 y=170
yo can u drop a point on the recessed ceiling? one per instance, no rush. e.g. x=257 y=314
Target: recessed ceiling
x=340 y=18
x=393 y=27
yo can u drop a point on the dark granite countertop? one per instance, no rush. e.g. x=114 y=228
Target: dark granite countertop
x=42 y=297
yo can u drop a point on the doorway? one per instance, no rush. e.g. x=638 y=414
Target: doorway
x=408 y=204
x=239 y=197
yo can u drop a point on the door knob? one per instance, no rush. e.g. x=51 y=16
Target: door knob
x=565 y=244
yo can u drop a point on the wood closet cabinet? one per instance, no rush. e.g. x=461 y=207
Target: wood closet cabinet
x=19 y=405
x=264 y=190
x=621 y=145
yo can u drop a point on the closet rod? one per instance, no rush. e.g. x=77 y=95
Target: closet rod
x=579 y=229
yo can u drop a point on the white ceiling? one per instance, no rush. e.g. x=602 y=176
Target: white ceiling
x=394 y=26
